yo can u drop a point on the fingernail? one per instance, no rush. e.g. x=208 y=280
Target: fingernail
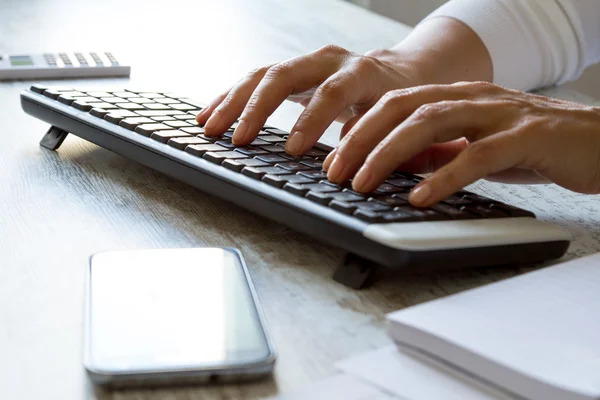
x=213 y=121
x=294 y=143
x=420 y=194
x=362 y=179
x=328 y=160
x=337 y=169
x=201 y=114
x=240 y=132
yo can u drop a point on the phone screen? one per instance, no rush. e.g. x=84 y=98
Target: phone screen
x=175 y=308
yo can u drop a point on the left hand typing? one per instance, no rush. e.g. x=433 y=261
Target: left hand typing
x=467 y=131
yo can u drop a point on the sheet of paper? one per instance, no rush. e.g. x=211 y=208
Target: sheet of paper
x=535 y=335
x=343 y=387
x=413 y=378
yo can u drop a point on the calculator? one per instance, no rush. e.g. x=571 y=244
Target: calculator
x=61 y=65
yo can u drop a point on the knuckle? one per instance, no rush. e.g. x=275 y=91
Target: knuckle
x=332 y=89
x=479 y=86
x=333 y=50
x=427 y=112
x=258 y=72
x=364 y=64
x=393 y=98
x=479 y=153
x=278 y=71
x=378 y=53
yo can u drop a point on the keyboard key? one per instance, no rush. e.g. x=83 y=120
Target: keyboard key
x=422 y=214
x=313 y=164
x=132 y=123
x=373 y=206
x=293 y=166
x=38 y=89
x=99 y=112
x=389 y=200
x=280 y=180
x=131 y=106
x=106 y=106
x=178 y=124
x=219 y=157
x=484 y=211
x=211 y=139
x=456 y=201
x=194 y=130
x=272 y=139
x=259 y=142
x=273 y=149
x=182 y=142
x=302 y=189
x=156 y=106
x=512 y=211
x=314 y=174
x=186 y=117
x=398 y=216
x=251 y=152
x=272 y=158
x=183 y=107
x=387 y=188
x=158 y=113
x=52 y=93
x=368 y=216
x=315 y=153
x=66 y=99
x=81 y=106
x=125 y=95
x=149 y=129
x=477 y=199
x=165 y=136
x=259 y=172
x=401 y=182
x=163 y=119
x=238 y=165
x=166 y=100
x=452 y=212
x=113 y=100
x=140 y=100
x=226 y=143
x=200 y=149
x=342 y=206
x=99 y=94
x=276 y=131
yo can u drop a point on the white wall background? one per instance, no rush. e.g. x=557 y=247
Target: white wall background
x=411 y=12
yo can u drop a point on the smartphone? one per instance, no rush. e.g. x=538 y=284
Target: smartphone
x=171 y=316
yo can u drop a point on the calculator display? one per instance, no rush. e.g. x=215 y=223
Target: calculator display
x=20 y=61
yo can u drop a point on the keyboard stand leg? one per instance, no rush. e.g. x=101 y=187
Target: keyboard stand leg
x=53 y=138
x=355 y=272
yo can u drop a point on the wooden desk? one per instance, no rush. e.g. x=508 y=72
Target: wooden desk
x=57 y=208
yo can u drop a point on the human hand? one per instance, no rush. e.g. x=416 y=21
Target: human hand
x=467 y=131
x=346 y=85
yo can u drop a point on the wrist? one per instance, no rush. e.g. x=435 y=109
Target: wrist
x=440 y=51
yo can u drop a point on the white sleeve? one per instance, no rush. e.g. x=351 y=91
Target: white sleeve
x=532 y=43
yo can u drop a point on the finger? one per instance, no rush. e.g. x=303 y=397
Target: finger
x=229 y=109
x=336 y=94
x=282 y=80
x=393 y=108
x=435 y=157
x=345 y=129
x=433 y=123
x=207 y=111
x=490 y=155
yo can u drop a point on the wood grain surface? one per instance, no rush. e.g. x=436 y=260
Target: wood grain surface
x=58 y=208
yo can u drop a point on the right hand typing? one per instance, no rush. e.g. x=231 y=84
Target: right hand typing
x=345 y=85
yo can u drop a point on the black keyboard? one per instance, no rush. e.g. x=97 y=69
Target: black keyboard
x=159 y=130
